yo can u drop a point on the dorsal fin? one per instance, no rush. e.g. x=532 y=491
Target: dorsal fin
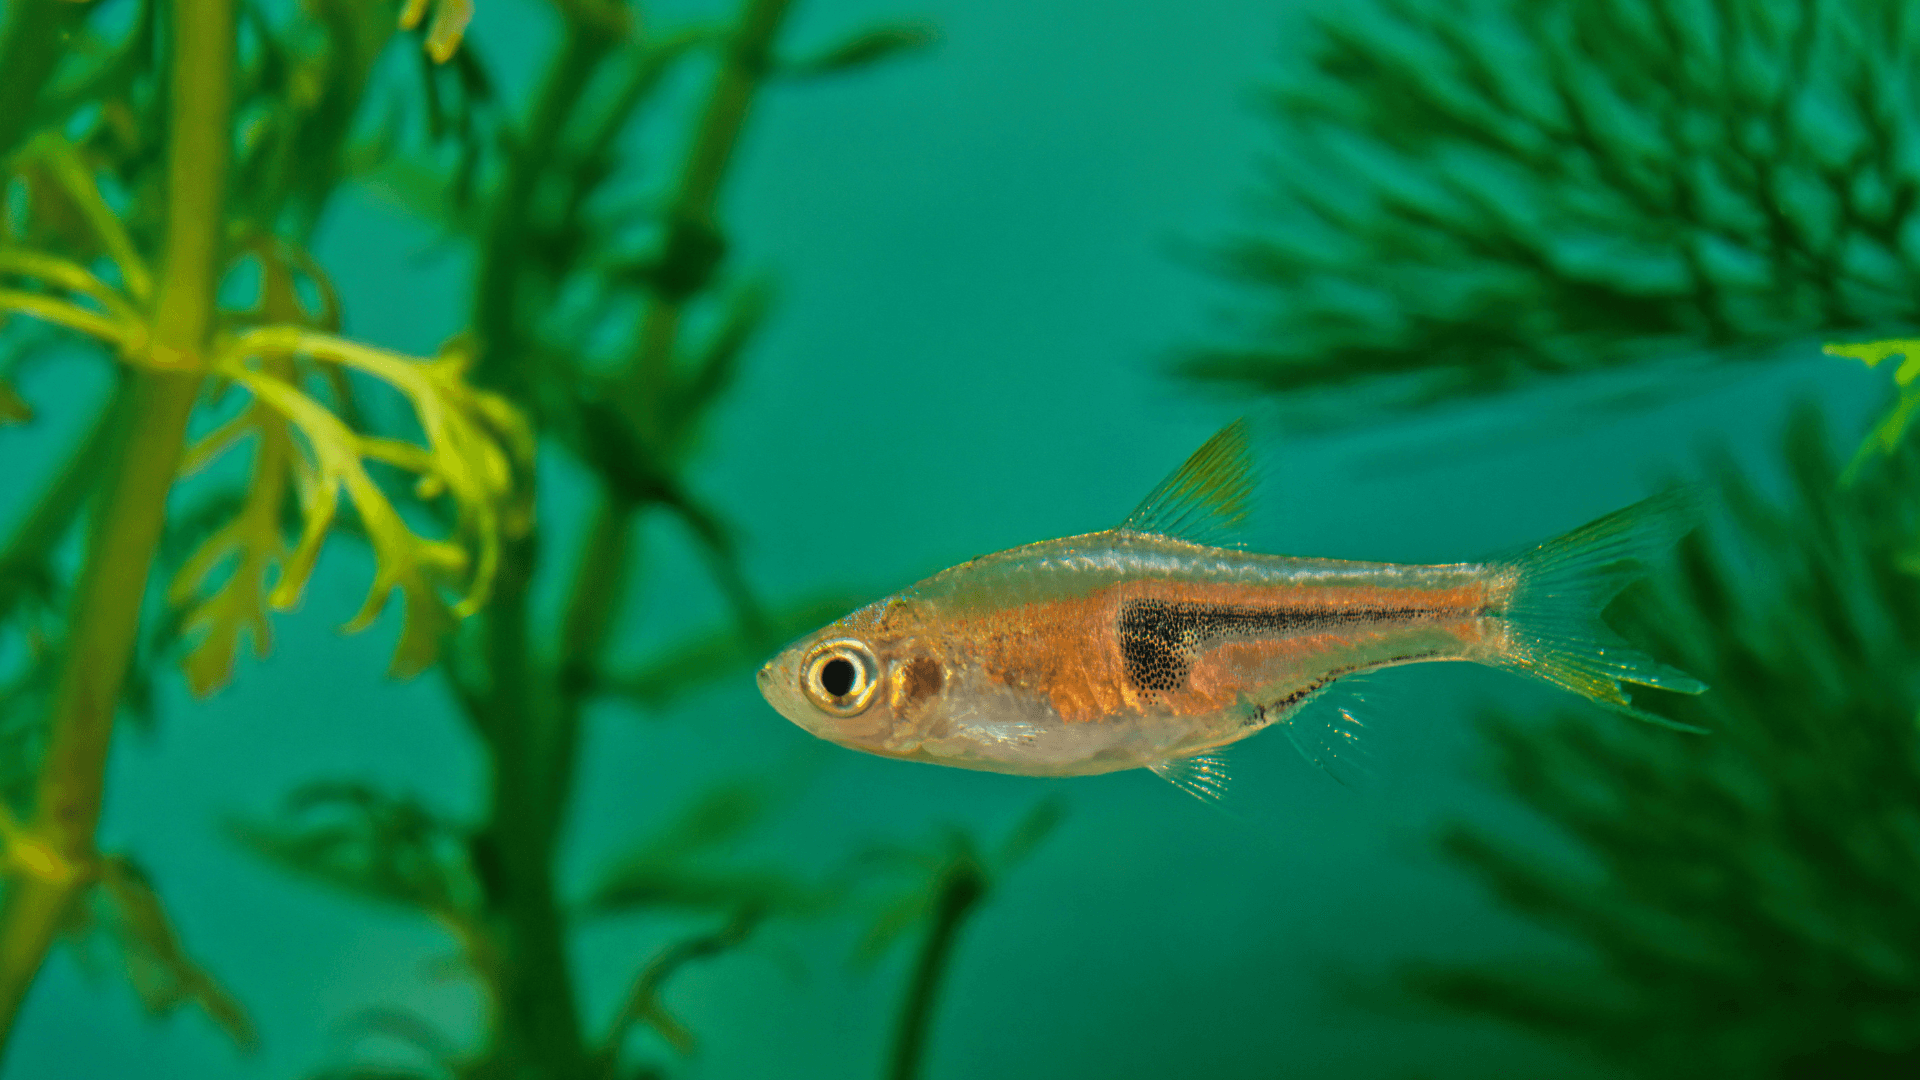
x=1206 y=500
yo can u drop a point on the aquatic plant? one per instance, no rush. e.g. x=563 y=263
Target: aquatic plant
x=951 y=878
x=631 y=416
x=265 y=120
x=74 y=256
x=1472 y=196
x=1743 y=901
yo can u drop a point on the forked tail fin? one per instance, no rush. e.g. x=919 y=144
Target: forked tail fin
x=1560 y=587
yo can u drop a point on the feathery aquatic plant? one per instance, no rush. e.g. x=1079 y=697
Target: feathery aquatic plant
x=78 y=258
x=263 y=122
x=1472 y=196
x=614 y=327
x=1746 y=898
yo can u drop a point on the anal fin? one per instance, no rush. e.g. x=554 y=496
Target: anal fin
x=1326 y=728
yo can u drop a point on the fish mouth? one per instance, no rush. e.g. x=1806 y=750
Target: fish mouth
x=777 y=687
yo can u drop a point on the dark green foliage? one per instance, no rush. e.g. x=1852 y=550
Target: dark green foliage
x=612 y=323
x=1470 y=196
x=375 y=846
x=616 y=326
x=685 y=866
x=1747 y=896
x=700 y=660
x=951 y=878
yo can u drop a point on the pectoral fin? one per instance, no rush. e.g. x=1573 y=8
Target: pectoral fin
x=1203 y=776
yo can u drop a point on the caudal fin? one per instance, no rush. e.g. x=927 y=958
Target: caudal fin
x=1560 y=587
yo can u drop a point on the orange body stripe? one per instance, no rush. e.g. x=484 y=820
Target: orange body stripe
x=1070 y=651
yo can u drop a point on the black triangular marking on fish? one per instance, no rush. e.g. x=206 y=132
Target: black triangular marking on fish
x=1203 y=776
x=1206 y=500
x=1160 y=639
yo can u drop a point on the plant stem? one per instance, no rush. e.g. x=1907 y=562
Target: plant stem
x=962 y=886
x=131 y=512
x=528 y=730
x=531 y=729
x=503 y=272
x=649 y=377
x=694 y=202
x=31 y=46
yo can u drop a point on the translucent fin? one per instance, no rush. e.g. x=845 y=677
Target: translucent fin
x=1327 y=729
x=1206 y=500
x=1203 y=776
x=1560 y=587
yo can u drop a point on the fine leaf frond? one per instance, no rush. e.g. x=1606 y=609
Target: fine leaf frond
x=680 y=865
x=251 y=538
x=865 y=48
x=644 y=1004
x=129 y=338
x=706 y=657
x=1474 y=198
x=476 y=445
x=377 y=846
x=65 y=274
x=1887 y=432
x=127 y=909
x=62 y=163
x=1746 y=899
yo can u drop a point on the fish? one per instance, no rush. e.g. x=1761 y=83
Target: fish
x=1159 y=643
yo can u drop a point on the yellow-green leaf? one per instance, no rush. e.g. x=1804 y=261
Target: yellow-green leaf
x=450 y=19
x=13 y=408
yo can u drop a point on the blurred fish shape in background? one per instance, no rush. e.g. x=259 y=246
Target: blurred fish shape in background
x=1152 y=646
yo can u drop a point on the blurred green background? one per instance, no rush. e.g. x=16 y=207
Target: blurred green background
x=990 y=259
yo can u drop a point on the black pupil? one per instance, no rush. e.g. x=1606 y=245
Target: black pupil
x=836 y=676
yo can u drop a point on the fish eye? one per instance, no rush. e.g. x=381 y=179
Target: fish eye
x=840 y=676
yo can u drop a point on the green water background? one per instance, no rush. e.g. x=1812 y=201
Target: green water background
x=976 y=257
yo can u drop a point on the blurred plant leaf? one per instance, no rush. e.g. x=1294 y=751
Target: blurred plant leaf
x=1748 y=897
x=381 y=847
x=251 y=538
x=123 y=906
x=638 y=883
x=723 y=652
x=948 y=874
x=866 y=48
x=1471 y=196
x=406 y=1028
x=723 y=813
x=13 y=408
x=449 y=25
x=56 y=166
x=1886 y=434
x=418 y=189
x=675 y=868
x=713 y=367
x=891 y=919
x=644 y=1005
x=1030 y=832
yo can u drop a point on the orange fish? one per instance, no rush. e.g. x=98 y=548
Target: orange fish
x=1148 y=646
